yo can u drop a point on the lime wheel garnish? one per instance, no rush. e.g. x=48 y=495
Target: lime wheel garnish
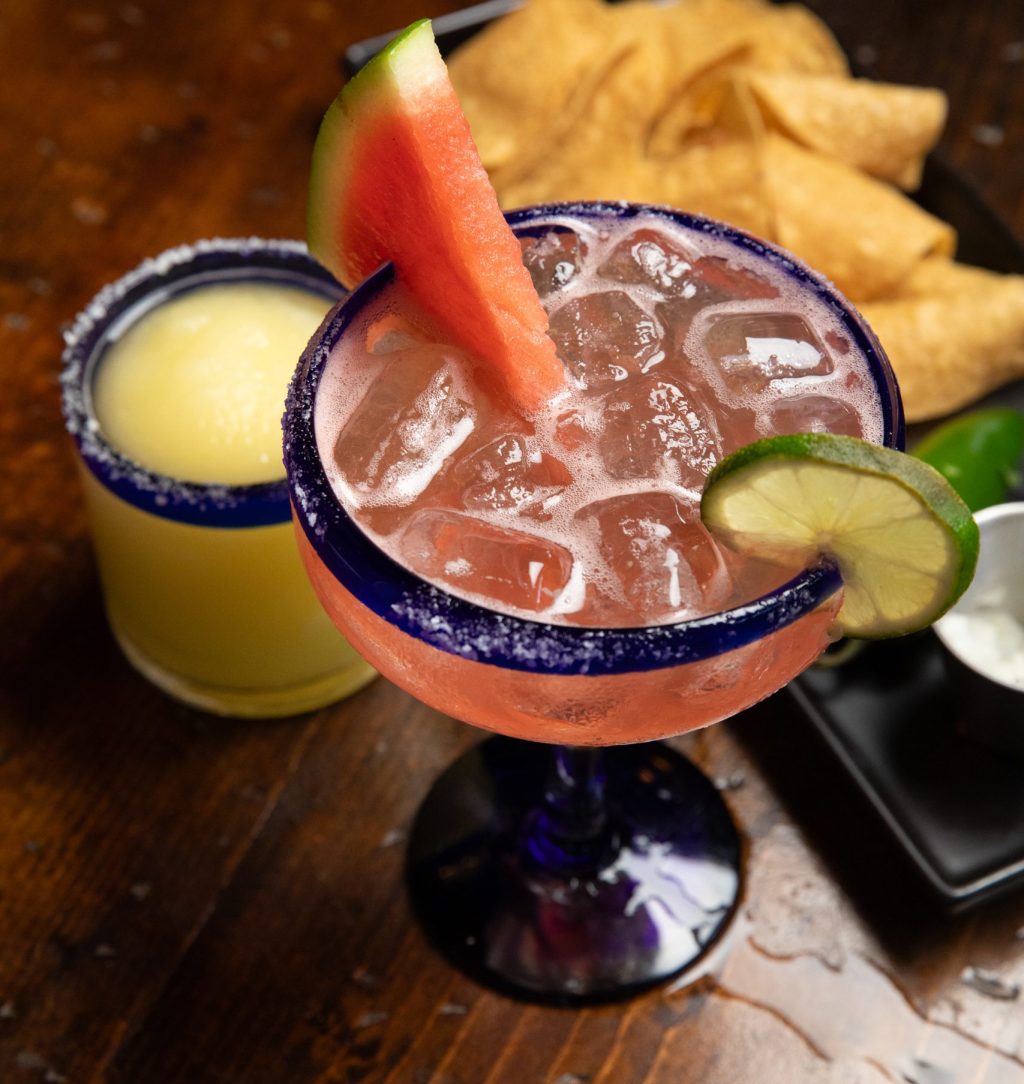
x=904 y=541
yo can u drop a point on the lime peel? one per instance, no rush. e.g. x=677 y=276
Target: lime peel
x=905 y=543
x=978 y=453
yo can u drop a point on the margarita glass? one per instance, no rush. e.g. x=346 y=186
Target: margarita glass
x=572 y=873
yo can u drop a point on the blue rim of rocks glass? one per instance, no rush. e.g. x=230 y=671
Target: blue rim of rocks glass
x=123 y=303
x=463 y=628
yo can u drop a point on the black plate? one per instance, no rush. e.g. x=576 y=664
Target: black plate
x=954 y=807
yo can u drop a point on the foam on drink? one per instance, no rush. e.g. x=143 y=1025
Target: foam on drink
x=680 y=348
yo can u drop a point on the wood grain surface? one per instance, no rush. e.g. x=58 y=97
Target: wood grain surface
x=195 y=901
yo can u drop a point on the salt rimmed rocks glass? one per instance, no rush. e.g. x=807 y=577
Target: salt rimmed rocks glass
x=202 y=583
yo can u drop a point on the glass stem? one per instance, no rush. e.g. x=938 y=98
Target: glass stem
x=569 y=832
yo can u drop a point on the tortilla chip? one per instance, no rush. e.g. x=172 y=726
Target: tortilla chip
x=722 y=180
x=938 y=277
x=746 y=35
x=861 y=233
x=883 y=129
x=568 y=176
x=522 y=73
x=790 y=38
x=698 y=108
x=777 y=37
x=601 y=154
x=950 y=349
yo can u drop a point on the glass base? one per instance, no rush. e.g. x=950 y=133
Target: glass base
x=640 y=900
x=267 y=703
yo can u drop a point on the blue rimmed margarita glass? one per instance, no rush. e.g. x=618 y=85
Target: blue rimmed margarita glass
x=201 y=582
x=572 y=873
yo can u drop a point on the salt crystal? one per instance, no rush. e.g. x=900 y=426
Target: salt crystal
x=131 y=15
x=365 y=978
x=369 y=1019
x=280 y=38
x=865 y=55
x=106 y=51
x=988 y=135
x=1012 y=52
x=89 y=211
x=391 y=838
x=452 y=1008
x=140 y=890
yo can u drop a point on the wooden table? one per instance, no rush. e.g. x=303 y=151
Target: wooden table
x=190 y=900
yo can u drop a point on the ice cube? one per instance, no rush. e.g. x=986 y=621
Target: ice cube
x=553 y=259
x=506 y=566
x=753 y=577
x=571 y=429
x=814 y=414
x=662 y=561
x=720 y=280
x=754 y=348
x=648 y=258
x=605 y=338
x=390 y=333
x=714 y=281
x=659 y=430
x=511 y=474
x=738 y=426
x=415 y=415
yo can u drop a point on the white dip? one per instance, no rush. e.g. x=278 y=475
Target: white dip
x=990 y=640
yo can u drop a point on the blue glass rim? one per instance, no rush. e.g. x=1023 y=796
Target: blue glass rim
x=122 y=303
x=477 y=633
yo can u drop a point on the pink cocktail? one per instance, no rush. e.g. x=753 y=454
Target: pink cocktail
x=551 y=580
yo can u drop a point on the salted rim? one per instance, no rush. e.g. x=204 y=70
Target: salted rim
x=471 y=631
x=122 y=303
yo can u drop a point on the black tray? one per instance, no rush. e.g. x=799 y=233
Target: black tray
x=955 y=808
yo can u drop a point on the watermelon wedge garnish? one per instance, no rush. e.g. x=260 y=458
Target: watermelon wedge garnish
x=396 y=177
